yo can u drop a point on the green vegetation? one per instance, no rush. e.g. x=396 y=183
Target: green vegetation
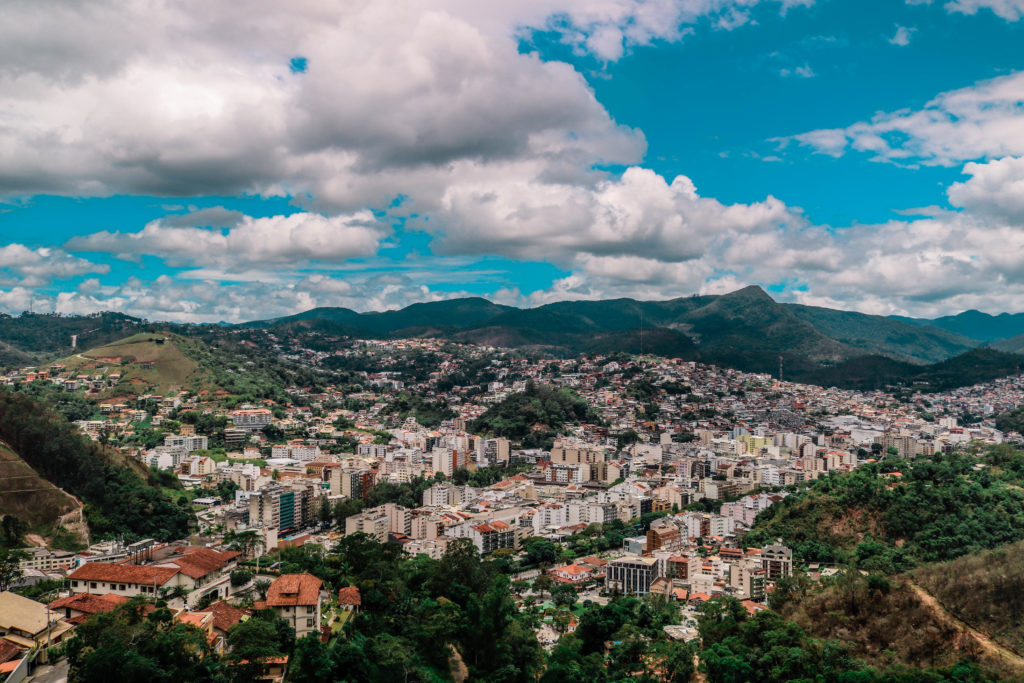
x=766 y=647
x=937 y=509
x=1011 y=421
x=533 y=417
x=48 y=334
x=29 y=497
x=985 y=590
x=117 y=499
x=427 y=413
x=878 y=372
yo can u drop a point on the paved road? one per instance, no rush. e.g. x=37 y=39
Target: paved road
x=51 y=674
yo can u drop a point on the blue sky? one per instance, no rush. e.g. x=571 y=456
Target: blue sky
x=864 y=155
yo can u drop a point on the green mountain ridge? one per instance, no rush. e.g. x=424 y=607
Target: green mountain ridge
x=745 y=329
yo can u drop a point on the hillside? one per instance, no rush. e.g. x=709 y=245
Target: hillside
x=876 y=334
x=977 y=325
x=32 y=499
x=745 y=329
x=879 y=372
x=892 y=622
x=149 y=363
x=532 y=417
x=48 y=336
x=163 y=362
x=934 y=510
x=985 y=590
x=118 y=500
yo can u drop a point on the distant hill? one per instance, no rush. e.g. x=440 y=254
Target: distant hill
x=977 y=325
x=745 y=329
x=148 y=363
x=50 y=335
x=879 y=372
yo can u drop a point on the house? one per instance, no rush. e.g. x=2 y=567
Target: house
x=225 y=615
x=30 y=624
x=80 y=606
x=196 y=572
x=296 y=598
x=349 y=599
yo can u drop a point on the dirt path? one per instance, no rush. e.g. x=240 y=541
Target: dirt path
x=1011 y=659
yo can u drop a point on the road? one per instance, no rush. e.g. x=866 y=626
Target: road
x=51 y=674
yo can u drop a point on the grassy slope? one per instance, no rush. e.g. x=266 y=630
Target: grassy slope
x=27 y=495
x=172 y=369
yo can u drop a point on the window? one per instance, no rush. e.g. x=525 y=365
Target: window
x=121 y=587
x=92 y=585
x=309 y=609
x=309 y=623
x=74 y=584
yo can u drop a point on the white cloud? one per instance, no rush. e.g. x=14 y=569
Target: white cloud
x=803 y=71
x=994 y=189
x=1011 y=10
x=190 y=97
x=985 y=120
x=902 y=36
x=277 y=240
x=37 y=267
x=637 y=214
x=167 y=298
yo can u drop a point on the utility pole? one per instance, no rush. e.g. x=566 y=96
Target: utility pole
x=780 y=368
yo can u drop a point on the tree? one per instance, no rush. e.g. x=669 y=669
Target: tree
x=256 y=640
x=244 y=541
x=261 y=586
x=543 y=583
x=311 y=661
x=10 y=567
x=140 y=649
x=564 y=595
x=540 y=551
x=13 y=530
x=240 y=577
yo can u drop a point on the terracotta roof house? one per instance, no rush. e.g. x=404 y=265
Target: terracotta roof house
x=349 y=599
x=296 y=598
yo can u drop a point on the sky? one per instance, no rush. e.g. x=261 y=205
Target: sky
x=204 y=161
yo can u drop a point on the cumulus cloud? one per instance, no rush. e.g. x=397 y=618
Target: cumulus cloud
x=639 y=214
x=277 y=240
x=994 y=189
x=985 y=120
x=36 y=267
x=167 y=298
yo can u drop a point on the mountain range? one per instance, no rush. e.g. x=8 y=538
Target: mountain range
x=745 y=329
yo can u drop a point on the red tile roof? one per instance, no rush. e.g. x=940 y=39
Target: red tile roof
x=199 y=562
x=124 y=573
x=294 y=589
x=350 y=596
x=226 y=615
x=89 y=604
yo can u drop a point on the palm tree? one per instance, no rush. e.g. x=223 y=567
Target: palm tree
x=261 y=586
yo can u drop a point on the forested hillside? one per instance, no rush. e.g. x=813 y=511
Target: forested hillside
x=118 y=500
x=891 y=516
x=532 y=417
